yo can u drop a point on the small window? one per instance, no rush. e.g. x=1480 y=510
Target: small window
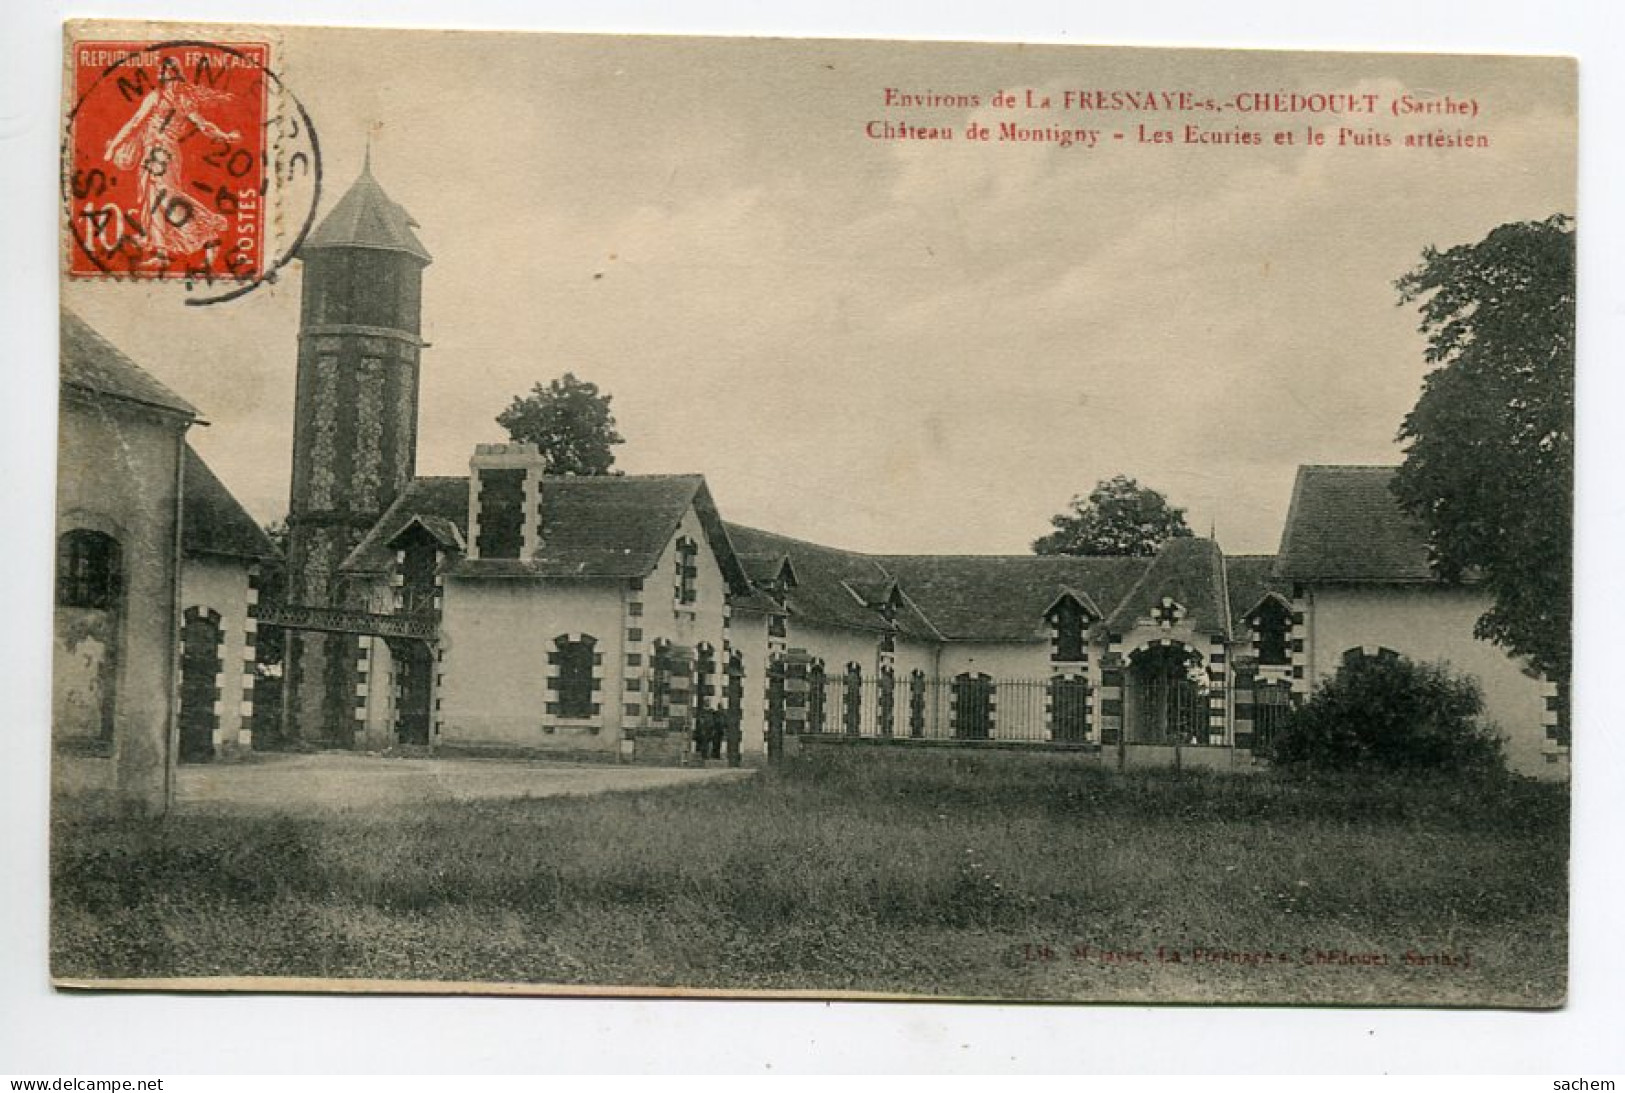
x=688 y=571
x=87 y=569
x=575 y=686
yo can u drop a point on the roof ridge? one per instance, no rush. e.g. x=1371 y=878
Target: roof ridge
x=804 y=542
x=692 y=475
x=1349 y=466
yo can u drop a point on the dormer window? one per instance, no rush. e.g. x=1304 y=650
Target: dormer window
x=1271 y=625
x=685 y=579
x=1069 y=616
x=1070 y=623
x=419 y=560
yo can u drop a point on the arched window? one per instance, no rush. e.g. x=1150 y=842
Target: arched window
x=1368 y=652
x=575 y=684
x=973 y=706
x=88 y=569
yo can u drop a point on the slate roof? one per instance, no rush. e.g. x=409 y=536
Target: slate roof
x=1248 y=578
x=367 y=217
x=945 y=596
x=593 y=526
x=1189 y=571
x=215 y=522
x=92 y=363
x=825 y=578
x=1346 y=526
x=1004 y=597
x=763 y=568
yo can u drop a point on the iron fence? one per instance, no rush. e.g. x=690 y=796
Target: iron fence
x=968 y=707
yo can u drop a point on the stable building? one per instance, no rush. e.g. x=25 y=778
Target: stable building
x=515 y=612
x=156 y=570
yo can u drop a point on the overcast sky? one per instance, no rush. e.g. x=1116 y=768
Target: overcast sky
x=885 y=345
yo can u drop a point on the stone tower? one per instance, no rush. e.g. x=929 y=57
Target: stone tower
x=354 y=433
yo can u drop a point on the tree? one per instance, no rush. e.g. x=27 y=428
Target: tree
x=1390 y=713
x=1489 y=448
x=1120 y=516
x=570 y=421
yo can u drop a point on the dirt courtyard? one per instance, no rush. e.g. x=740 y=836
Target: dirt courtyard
x=339 y=781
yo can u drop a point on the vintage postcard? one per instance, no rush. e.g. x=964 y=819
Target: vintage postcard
x=859 y=519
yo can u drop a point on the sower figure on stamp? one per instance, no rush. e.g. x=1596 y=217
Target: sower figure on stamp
x=175 y=222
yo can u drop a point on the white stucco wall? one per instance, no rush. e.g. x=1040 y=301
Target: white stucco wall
x=1432 y=623
x=496 y=635
x=1001 y=660
x=118 y=471
x=748 y=634
x=685 y=624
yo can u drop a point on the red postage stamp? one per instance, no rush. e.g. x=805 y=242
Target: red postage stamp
x=166 y=164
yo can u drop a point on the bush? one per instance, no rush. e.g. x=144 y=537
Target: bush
x=1391 y=713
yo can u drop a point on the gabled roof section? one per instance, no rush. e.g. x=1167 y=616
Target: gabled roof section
x=438 y=528
x=215 y=522
x=1082 y=599
x=1249 y=578
x=826 y=582
x=367 y=217
x=769 y=568
x=1190 y=572
x=1006 y=597
x=939 y=597
x=91 y=363
x=876 y=594
x=1345 y=526
x=592 y=526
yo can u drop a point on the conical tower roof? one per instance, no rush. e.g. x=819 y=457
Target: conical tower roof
x=368 y=217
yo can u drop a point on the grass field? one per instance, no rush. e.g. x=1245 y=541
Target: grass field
x=1004 y=875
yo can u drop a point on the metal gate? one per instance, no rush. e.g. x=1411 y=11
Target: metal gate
x=1167 y=704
